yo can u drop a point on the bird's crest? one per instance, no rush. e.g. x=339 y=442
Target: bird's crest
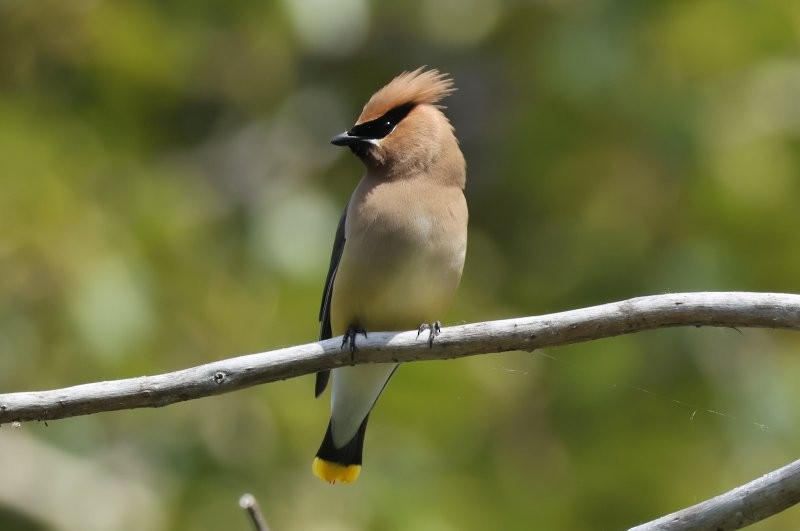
x=417 y=87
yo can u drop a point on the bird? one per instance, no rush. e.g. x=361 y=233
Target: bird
x=399 y=248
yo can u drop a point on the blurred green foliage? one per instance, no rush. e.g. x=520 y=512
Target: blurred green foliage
x=169 y=198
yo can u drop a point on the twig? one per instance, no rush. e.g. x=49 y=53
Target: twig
x=737 y=508
x=248 y=503
x=727 y=309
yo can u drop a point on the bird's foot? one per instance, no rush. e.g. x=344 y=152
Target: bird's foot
x=434 y=329
x=349 y=338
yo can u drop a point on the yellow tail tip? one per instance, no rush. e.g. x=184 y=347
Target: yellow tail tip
x=333 y=472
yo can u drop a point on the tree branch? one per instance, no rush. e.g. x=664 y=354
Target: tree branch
x=726 y=309
x=737 y=508
x=248 y=502
x=768 y=495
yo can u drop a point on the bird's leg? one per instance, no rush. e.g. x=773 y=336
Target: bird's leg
x=434 y=328
x=349 y=337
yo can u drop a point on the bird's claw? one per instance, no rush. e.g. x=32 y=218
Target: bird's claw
x=349 y=338
x=434 y=329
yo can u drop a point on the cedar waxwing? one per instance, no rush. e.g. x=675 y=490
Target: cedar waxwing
x=399 y=248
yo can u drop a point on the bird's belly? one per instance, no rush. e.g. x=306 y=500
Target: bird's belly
x=401 y=286
x=417 y=291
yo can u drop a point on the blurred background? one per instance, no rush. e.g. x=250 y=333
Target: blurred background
x=169 y=197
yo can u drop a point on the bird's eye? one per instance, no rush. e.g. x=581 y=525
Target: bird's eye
x=380 y=127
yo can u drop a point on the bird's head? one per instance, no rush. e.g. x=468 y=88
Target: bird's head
x=402 y=129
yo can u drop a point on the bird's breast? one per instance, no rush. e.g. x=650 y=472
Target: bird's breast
x=403 y=256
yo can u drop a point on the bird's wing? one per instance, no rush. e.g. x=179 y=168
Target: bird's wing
x=325 y=307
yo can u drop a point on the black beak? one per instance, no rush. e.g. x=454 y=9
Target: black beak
x=345 y=139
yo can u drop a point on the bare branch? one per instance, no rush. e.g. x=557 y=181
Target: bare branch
x=250 y=505
x=727 y=309
x=737 y=508
x=768 y=495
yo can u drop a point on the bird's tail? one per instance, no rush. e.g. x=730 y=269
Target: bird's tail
x=343 y=464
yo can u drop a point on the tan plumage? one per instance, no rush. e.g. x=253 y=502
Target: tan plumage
x=400 y=247
x=419 y=86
